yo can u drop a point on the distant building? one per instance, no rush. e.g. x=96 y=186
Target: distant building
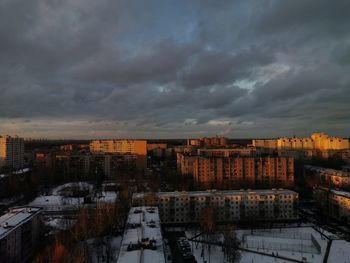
x=326 y=177
x=319 y=141
x=142 y=239
x=119 y=146
x=153 y=146
x=270 y=171
x=11 y=152
x=213 y=141
x=19 y=233
x=86 y=165
x=228 y=206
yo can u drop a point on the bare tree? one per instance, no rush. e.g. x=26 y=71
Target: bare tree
x=230 y=245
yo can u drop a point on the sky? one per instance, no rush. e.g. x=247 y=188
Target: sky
x=86 y=69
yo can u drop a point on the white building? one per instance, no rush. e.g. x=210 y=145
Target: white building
x=19 y=232
x=11 y=152
x=142 y=239
x=228 y=206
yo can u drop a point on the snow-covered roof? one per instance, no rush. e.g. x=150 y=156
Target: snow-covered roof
x=15 y=218
x=327 y=171
x=142 y=228
x=342 y=193
x=228 y=192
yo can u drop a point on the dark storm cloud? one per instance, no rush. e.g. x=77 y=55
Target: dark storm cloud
x=174 y=68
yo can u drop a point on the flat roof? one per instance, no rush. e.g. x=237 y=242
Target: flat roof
x=231 y=192
x=142 y=227
x=327 y=171
x=342 y=193
x=220 y=192
x=16 y=217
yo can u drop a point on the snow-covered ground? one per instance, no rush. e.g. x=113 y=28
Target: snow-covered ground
x=59 y=223
x=57 y=201
x=303 y=243
x=340 y=252
x=80 y=185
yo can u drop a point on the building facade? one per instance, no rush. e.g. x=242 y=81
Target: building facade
x=11 y=152
x=319 y=141
x=119 y=146
x=326 y=177
x=253 y=170
x=228 y=206
x=334 y=203
x=19 y=233
x=212 y=141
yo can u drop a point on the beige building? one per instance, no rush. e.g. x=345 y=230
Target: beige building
x=318 y=141
x=119 y=146
x=228 y=206
x=19 y=233
x=212 y=141
x=272 y=171
x=11 y=152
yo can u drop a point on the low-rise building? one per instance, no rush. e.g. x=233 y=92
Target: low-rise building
x=228 y=206
x=142 y=239
x=19 y=233
x=327 y=177
x=334 y=203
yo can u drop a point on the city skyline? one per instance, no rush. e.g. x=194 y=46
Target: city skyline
x=166 y=69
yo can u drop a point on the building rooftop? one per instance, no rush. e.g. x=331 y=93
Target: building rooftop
x=342 y=193
x=221 y=192
x=327 y=171
x=142 y=240
x=16 y=217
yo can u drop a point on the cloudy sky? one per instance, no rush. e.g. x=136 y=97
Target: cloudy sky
x=174 y=69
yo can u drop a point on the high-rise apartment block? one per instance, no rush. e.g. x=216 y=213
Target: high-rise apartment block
x=228 y=206
x=319 y=141
x=11 y=152
x=253 y=170
x=119 y=146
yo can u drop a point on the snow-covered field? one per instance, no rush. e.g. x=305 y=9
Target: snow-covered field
x=340 y=252
x=57 y=201
x=298 y=243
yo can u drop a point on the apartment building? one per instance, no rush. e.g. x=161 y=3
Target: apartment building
x=11 y=152
x=213 y=141
x=142 y=239
x=252 y=170
x=19 y=233
x=327 y=177
x=334 y=203
x=119 y=146
x=319 y=141
x=228 y=206
x=86 y=166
